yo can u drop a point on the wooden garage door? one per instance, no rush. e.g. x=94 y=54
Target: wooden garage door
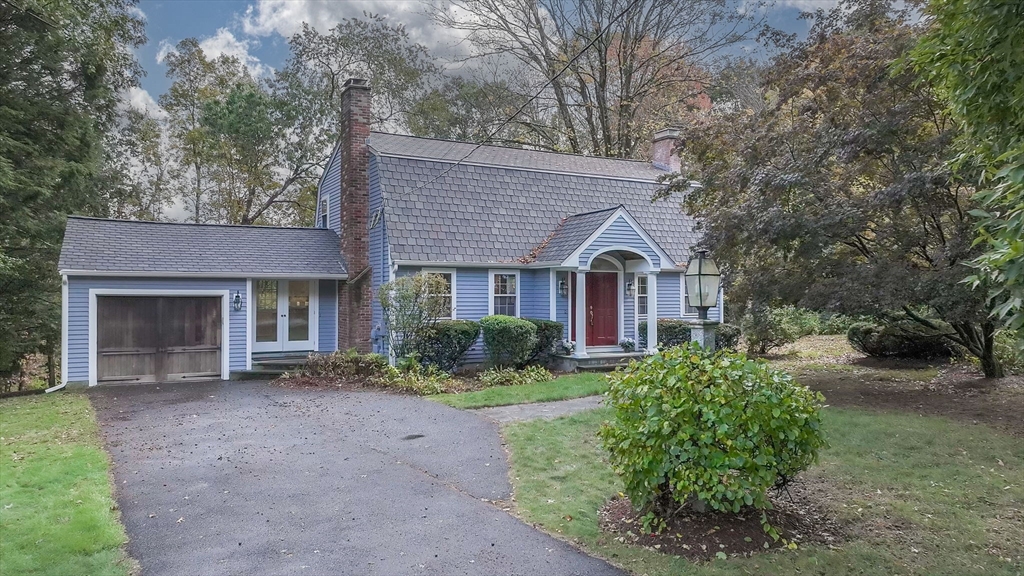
x=153 y=339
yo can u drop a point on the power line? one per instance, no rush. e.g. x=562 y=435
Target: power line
x=519 y=111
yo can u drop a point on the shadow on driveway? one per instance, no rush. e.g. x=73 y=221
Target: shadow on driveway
x=249 y=478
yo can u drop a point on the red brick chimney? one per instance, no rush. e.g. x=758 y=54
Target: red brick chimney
x=354 y=296
x=663 y=149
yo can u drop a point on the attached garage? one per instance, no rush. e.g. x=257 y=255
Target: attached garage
x=159 y=338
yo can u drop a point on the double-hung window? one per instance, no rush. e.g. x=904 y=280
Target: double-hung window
x=641 y=296
x=687 y=309
x=504 y=293
x=448 y=294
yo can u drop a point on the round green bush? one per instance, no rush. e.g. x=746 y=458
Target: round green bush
x=549 y=333
x=899 y=339
x=727 y=336
x=509 y=341
x=713 y=430
x=445 y=343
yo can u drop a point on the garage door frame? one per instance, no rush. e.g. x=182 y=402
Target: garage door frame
x=93 y=324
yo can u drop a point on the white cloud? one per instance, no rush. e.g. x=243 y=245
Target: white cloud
x=141 y=100
x=137 y=12
x=285 y=17
x=166 y=47
x=808 y=5
x=224 y=42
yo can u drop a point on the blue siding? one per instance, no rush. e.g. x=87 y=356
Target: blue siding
x=535 y=291
x=562 y=304
x=620 y=233
x=471 y=286
x=670 y=298
x=330 y=190
x=78 y=314
x=328 y=325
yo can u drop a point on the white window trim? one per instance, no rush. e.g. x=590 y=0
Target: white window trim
x=225 y=296
x=455 y=312
x=682 y=300
x=490 y=289
x=636 y=296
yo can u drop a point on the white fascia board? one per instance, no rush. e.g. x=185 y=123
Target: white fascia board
x=260 y=275
x=438 y=263
x=574 y=258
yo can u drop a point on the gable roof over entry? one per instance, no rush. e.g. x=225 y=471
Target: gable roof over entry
x=131 y=247
x=500 y=204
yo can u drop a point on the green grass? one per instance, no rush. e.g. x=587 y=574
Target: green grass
x=919 y=495
x=57 y=515
x=561 y=388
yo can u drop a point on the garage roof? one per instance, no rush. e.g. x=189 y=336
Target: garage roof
x=132 y=247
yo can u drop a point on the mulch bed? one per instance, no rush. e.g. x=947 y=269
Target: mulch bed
x=799 y=516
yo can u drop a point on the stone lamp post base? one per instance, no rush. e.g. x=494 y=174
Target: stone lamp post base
x=703 y=332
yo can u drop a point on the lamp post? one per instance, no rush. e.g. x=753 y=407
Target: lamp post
x=702 y=283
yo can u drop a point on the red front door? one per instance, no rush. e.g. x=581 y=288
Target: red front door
x=602 y=309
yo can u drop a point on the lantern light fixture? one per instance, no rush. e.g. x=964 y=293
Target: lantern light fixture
x=236 y=302
x=563 y=288
x=630 y=289
x=703 y=280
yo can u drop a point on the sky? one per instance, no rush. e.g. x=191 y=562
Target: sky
x=256 y=31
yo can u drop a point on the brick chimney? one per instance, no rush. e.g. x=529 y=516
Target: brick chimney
x=354 y=296
x=663 y=149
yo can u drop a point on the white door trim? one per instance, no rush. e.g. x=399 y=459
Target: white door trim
x=225 y=314
x=282 y=344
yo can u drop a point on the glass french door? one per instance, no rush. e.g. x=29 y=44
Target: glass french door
x=284 y=315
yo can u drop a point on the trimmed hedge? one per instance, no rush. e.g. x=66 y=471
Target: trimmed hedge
x=549 y=333
x=509 y=341
x=899 y=339
x=673 y=332
x=444 y=344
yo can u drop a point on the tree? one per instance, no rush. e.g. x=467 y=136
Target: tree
x=398 y=70
x=644 y=70
x=412 y=305
x=62 y=66
x=196 y=80
x=470 y=110
x=973 y=53
x=837 y=195
x=136 y=178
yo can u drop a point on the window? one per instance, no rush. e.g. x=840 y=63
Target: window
x=323 y=213
x=504 y=293
x=641 y=296
x=449 y=278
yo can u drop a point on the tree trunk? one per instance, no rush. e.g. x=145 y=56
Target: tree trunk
x=51 y=369
x=990 y=365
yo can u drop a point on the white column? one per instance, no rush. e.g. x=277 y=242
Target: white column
x=652 y=312
x=581 y=315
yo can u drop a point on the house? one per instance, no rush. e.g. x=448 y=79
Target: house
x=520 y=232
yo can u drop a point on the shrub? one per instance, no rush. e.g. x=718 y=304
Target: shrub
x=832 y=324
x=509 y=341
x=444 y=344
x=727 y=337
x=713 y=430
x=419 y=380
x=1008 y=354
x=513 y=377
x=899 y=339
x=673 y=332
x=411 y=307
x=767 y=328
x=346 y=366
x=801 y=321
x=549 y=333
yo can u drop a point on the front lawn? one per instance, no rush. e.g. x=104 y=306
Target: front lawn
x=561 y=388
x=916 y=495
x=57 y=515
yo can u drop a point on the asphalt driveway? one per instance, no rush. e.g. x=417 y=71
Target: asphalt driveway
x=249 y=478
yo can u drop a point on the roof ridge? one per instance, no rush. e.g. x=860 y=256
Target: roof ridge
x=595 y=212
x=197 y=224
x=574 y=155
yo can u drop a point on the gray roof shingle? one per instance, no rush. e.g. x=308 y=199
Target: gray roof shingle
x=503 y=203
x=572 y=232
x=101 y=245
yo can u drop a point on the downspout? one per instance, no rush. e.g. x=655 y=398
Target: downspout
x=63 y=336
